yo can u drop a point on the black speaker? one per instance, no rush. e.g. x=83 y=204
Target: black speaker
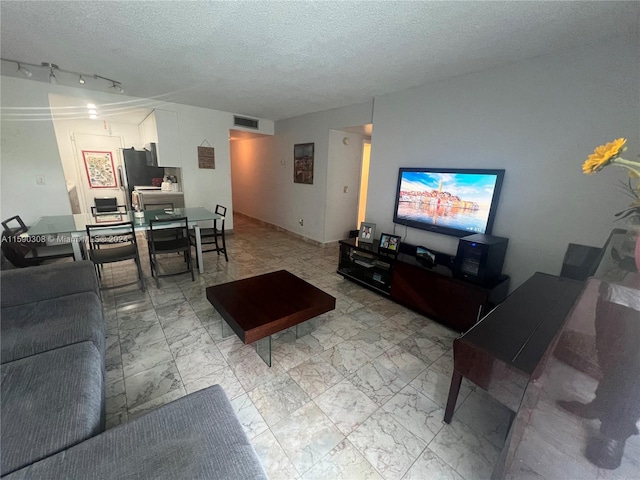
x=480 y=257
x=580 y=261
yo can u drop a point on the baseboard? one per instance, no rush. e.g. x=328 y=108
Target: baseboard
x=285 y=231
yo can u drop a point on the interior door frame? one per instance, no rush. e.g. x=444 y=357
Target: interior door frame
x=81 y=173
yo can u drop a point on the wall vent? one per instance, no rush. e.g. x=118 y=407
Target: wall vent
x=245 y=122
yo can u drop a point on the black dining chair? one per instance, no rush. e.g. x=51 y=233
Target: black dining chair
x=169 y=236
x=24 y=251
x=105 y=205
x=112 y=243
x=113 y=210
x=213 y=236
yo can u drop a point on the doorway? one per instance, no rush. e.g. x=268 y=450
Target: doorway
x=98 y=167
x=364 y=181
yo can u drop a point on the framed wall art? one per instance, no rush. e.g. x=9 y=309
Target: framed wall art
x=303 y=163
x=101 y=172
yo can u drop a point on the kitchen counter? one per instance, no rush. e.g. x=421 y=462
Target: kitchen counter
x=157 y=199
x=160 y=192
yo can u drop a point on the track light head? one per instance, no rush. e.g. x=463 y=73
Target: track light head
x=81 y=80
x=25 y=71
x=116 y=86
x=51 y=67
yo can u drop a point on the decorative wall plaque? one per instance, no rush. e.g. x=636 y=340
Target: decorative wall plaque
x=206 y=157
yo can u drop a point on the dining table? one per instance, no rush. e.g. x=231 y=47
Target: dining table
x=73 y=228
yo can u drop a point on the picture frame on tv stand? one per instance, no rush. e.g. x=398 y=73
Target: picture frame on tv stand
x=367 y=232
x=389 y=244
x=425 y=256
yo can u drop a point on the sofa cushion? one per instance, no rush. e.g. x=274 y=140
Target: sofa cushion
x=50 y=402
x=34 y=284
x=36 y=327
x=197 y=436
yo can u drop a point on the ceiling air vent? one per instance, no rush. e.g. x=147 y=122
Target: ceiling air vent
x=245 y=122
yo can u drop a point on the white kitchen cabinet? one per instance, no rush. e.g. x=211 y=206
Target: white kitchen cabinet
x=161 y=127
x=168 y=138
x=148 y=129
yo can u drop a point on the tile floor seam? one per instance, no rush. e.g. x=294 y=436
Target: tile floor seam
x=283 y=449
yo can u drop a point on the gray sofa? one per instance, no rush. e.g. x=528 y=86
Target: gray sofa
x=52 y=353
x=53 y=395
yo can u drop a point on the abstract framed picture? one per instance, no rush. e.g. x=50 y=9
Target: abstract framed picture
x=303 y=163
x=101 y=171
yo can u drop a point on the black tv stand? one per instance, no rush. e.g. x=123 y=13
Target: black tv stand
x=432 y=291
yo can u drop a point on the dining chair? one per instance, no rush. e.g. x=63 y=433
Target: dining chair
x=169 y=236
x=112 y=243
x=105 y=204
x=213 y=236
x=112 y=210
x=24 y=251
x=14 y=229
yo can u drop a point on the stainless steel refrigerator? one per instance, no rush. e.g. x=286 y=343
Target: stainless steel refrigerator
x=137 y=171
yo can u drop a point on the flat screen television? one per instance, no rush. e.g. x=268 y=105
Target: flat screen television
x=451 y=201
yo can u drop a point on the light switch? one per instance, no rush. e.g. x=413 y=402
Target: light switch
x=40 y=180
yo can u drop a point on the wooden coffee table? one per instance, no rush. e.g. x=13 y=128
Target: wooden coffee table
x=255 y=308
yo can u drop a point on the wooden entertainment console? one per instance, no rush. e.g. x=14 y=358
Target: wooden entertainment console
x=434 y=291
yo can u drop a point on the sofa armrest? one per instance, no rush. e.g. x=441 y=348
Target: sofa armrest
x=34 y=284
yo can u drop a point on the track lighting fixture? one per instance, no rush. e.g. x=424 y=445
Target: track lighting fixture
x=25 y=71
x=116 y=86
x=53 y=69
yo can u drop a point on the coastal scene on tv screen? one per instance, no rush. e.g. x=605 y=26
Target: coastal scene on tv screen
x=461 y=201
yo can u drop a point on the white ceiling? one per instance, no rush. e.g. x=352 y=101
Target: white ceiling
x=275 y=59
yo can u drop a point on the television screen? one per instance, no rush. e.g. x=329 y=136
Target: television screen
x=455 y=202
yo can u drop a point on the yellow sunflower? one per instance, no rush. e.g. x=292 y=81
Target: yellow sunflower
x=602 y=155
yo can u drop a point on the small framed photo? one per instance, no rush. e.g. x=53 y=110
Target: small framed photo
x=389 y=243
x=367 y=232
x=425 y=257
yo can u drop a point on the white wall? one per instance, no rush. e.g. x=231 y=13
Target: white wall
x=29 y=148
x=538 y=119
x=262 y=175
x=343 y=171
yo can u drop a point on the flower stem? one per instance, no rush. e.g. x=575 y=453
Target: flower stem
x=628 y=164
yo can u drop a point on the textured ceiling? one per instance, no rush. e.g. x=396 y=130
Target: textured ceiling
x=281 y=59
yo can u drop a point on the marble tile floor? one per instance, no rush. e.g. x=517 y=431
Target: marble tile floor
x=360 y=394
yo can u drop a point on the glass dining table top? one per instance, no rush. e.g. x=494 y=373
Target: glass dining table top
x=77 y=223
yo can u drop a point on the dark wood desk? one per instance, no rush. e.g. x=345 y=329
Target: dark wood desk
x=257 y=307
x=501 y=351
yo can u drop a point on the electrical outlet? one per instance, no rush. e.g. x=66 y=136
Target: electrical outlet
x=301 y=222
x=40 y=180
